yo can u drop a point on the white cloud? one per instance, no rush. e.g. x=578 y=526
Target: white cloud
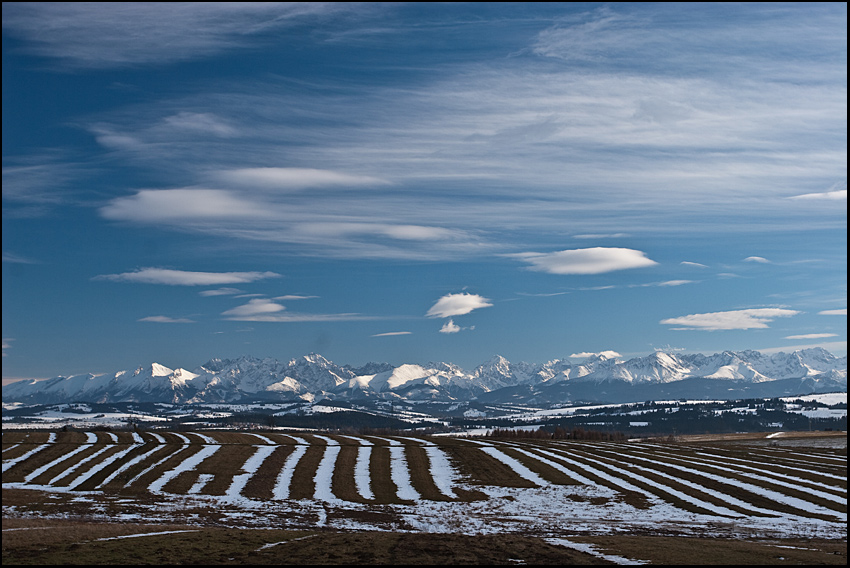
x=221 y=292
x=392 y=333
x=121 y=34
x=585 y=261
x=174 y=205
x=839 y=312
x=758 y=259
x=756 y=318
x=450 y=327
x=166 y=319
x=675 y=283
x=696 y=264
x=604 y=354
x=811 y=336
x=296 y=178
x=185 y=278
x=837 y=195
x=203 y=122
x=6 y=344
x=17 y=259
x=457 y=305
x=293 y=297
x=255 y=307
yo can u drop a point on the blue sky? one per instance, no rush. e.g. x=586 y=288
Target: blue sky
x=420 y=182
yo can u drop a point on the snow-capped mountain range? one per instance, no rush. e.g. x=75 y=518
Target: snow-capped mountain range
x=726 y=375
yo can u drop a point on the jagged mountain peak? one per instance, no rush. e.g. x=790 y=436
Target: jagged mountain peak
x=313 y=376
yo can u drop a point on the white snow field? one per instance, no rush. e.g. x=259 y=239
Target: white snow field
x=576 y=487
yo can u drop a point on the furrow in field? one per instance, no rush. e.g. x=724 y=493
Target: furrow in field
x=187 y=464
x=794 y=505
x=699 y=503
x=798 y=485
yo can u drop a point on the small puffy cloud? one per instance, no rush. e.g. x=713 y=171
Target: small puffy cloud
x=293 y=179
x=840 y=312
x=255 y=307
x=811 y=336
x=6 y=344
x=595 y=260
x=457 y=305
x=166 y=319
x=758 y=259
x=392 y=333
x=185 y=278
x=603 y=354
x=450 y=327
x=756 y=318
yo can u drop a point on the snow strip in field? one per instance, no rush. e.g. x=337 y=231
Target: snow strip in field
x=560 y=467
x=770 y=494
x=188 y=464
x=128 y=465
x=284 y=478
x=182 y=437
x=157 y=437
x=717 y=510
x=400 y=474
x=151 y=467
x=518 y=468
x=362 y=479
x=9 y=463
x=77 y=465
x=264 y=439
x=442 y=471
x=250 y=467
x=201 y=482
x=99 y=467
x=137 y=438
x=324 y=474
x=719 y=495
x=60 y=459
x=768 y=478
x=147 y=534
x=206 y=439
x=590 y=549
x=91 y=438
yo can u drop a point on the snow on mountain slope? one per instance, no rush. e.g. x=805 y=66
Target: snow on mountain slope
x=313 y=377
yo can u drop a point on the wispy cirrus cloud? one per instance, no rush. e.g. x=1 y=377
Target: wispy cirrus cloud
x=121 y=34
x=596 y=260
x=756 y=318
x=392 y=333
x=838 y=312
x=457 y=305
x=185 y=278
x=811 y=336
x=293 y=179
x=166 y=319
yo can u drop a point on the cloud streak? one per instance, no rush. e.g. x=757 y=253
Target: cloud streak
x=756 y=318
x=185 y=278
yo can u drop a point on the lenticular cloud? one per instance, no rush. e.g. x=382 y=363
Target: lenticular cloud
x=585 y=261
x=757 y=318
x=457 y=305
